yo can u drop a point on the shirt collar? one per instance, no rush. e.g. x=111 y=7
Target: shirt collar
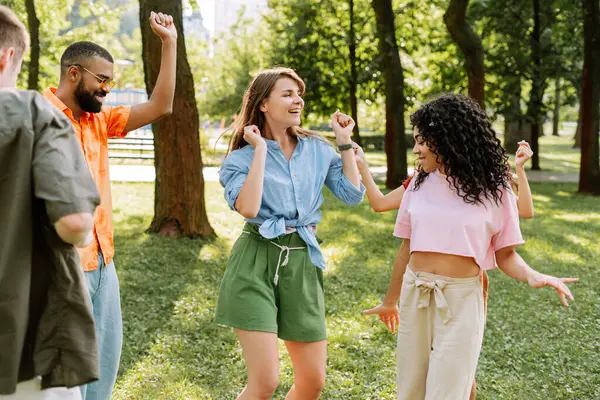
x=50 y=94
x=272 y=144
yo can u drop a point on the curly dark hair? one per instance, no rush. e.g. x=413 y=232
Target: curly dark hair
x=460 y=133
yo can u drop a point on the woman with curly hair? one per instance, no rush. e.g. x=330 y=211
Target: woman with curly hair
x=391 y=201
x=458 y=217
x=273 y=286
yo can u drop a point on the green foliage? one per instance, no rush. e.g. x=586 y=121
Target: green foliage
x=506 y=28
x=313 y=37
x=223 y=78
x=63 y=22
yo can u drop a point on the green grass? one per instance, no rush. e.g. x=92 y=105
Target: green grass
x=533 y=348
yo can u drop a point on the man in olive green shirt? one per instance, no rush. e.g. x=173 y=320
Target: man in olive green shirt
x=47 y=201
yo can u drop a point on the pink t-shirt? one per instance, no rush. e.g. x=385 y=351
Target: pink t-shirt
x=436 y=219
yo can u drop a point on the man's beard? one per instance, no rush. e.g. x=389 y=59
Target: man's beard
x=86 y=100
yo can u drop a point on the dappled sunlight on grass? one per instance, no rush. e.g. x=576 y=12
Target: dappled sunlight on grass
x=533 y=348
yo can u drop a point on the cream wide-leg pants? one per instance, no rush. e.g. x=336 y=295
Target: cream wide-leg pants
x=439 y=336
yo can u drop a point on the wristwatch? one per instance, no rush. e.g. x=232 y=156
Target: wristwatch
x=345 y=147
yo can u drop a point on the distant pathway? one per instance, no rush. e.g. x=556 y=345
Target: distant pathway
x=145 y=173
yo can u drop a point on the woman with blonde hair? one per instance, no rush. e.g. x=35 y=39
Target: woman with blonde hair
x=273 y=285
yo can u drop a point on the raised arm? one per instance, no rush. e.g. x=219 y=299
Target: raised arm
x=379 y=202
x=160 y=103
x=524 y=198
x=250 y=197
x=342 y=126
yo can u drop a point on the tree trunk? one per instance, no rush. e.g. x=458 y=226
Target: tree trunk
x=470 y=45
x=395 y=145
x=556 y=114
x=34 y=36
x=589 y=172
x=179 y=204
x=353 y=76
x=512 y=116
x=577 y=136
x=537 y=88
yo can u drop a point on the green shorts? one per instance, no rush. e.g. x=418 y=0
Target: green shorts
x=250 y=299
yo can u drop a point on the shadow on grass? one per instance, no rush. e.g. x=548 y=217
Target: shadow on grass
x=153 y=273
x=534 y=348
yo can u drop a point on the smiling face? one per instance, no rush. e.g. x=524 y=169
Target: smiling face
x=283 y=107
x=428 y=160
x=91 y=90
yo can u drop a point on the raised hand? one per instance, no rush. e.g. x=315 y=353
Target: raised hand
x=163 y=26
x=537 y=280
x=388 y=314
x=359 y=155
x=342 y=125
x=253 y=137
x=524 y=153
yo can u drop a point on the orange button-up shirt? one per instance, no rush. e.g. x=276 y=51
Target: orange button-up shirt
x=93 y=131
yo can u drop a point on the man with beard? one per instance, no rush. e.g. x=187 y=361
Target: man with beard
x=87 y=72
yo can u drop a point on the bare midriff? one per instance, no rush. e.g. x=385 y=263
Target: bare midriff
x=449 y=265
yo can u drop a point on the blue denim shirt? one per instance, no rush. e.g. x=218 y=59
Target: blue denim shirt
x=292 y=191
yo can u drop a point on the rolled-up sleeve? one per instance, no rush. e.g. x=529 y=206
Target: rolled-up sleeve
x=61 y=177
x=232 y=176
x=339 y=185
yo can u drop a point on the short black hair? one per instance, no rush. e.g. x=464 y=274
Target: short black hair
x=81 y=51
x=12 y=32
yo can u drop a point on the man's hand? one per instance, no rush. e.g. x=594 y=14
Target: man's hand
x=163 y=26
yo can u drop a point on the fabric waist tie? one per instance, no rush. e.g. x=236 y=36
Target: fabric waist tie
x=429 y=284
x=426 y=287
x=284 y=251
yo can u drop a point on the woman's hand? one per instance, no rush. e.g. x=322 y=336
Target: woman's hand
x=253 y=137
x=342 y=126
x=388 y=314
x=359 y=155
x=523 y=154
x=537 y=280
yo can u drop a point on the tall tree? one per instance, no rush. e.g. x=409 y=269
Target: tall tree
x=556 y=112
x=538 y=85
x=395 y=144
x=589 y=175
x=353 y=81
x=330 y=43
x=34 y=36
x=179 y=204
x=471 y=46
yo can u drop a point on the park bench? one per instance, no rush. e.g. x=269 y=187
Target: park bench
x=131 y=147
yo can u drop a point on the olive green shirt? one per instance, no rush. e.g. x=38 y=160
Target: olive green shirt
x=46 y=325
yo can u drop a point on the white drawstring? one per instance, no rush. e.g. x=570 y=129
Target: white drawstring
x=283 y=249
x=285 y=261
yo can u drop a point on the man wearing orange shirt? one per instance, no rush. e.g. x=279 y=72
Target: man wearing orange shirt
x=87 y=72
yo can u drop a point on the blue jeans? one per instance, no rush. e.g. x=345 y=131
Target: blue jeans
x=103 y=287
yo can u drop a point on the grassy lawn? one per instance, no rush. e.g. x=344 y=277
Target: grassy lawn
x=533 y=348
